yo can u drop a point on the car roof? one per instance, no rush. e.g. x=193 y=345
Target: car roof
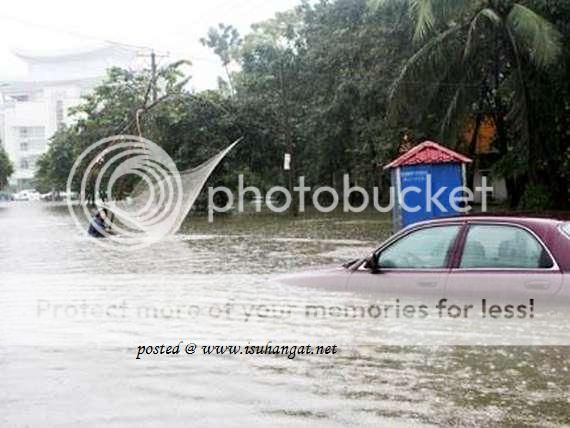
x=540 y=225
x=514 y=219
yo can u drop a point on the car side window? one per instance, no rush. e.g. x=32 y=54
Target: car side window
x=423 y=249
x=507 y=247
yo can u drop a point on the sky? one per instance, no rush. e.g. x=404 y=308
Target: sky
x=168 y=26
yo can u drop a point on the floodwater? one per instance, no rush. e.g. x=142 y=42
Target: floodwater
x=68 y=351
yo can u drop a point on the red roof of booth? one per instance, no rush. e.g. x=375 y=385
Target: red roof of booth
x=428 y=153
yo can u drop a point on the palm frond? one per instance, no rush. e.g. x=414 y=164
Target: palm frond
x=424 y=17
x=492 y=16
x=519 y=113
x=464 y=99
x=433 y=60
x=426 y=14
x=374 y=5
x=452 y=112
x=540 y=39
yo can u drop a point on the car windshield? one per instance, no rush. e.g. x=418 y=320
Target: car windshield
x=566 y=229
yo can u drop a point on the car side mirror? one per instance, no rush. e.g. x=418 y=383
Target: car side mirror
x=372 y=264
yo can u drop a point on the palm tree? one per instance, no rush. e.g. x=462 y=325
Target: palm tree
x=476 y=56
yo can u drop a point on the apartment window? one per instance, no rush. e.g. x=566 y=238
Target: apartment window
x=24 y=147
x=21 y=98
x=33 y=132
x=24 y=164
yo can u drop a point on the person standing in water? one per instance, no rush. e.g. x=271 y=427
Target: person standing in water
x=99 y=226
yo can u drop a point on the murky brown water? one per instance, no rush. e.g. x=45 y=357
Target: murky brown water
x=61 y=366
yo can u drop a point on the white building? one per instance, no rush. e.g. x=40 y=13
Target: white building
x=31 y=110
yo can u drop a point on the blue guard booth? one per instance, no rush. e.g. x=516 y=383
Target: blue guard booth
x=415 y=169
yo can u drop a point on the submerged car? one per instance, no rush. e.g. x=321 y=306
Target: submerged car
x=475 y=256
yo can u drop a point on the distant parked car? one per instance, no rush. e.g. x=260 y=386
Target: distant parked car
x=27 y=195
x=71 y=196
x=468 y=255
x=58 y=196
x=6 y=196
x=48 y=197
x=21 y=196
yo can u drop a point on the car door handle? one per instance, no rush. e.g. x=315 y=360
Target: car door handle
x=428 y=284
x=537 y=285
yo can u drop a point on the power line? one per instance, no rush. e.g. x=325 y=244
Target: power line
x=144 y=50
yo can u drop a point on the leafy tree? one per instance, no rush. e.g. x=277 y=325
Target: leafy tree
x=120 y=105
x=340 y=84
x=225 y=41
x=551 y=98
x=479 y=58
x=6 y=168
x=53 y=168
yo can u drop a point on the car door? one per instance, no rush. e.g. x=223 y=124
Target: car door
x=415 y=263
x=503 y=261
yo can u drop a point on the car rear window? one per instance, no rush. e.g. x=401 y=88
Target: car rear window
x=566 y=229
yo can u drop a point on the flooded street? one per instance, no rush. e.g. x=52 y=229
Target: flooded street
x=73 y=315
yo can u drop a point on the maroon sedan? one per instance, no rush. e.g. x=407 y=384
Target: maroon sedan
x=469 y=255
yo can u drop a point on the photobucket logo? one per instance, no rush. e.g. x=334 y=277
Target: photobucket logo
x=428 y=198
x=104 y=171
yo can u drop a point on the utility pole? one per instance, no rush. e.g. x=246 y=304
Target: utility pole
x=153 y=75
x=153 y=70
x=289 y=144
